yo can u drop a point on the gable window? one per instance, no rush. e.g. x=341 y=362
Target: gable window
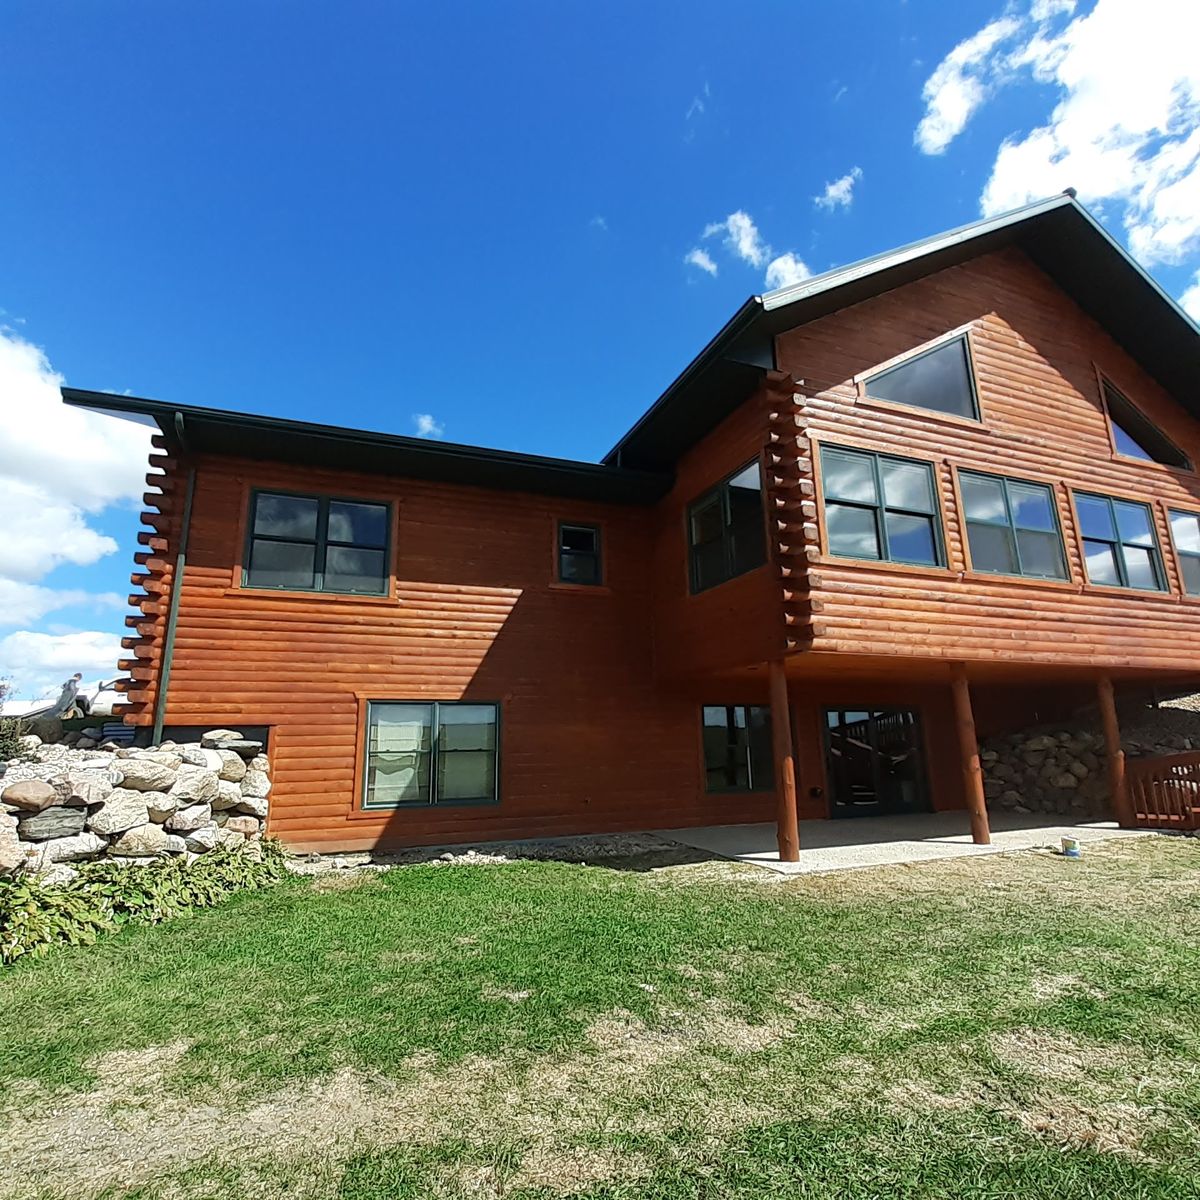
x=880 y=507
x=1185 y=532
x=439 y=753
x=1135 y=436
x=1012 y=526
x=317 y=544
x=737 y=748
x=1119 y=544
x=726 y=535
x=579 y=554
x=940 y=380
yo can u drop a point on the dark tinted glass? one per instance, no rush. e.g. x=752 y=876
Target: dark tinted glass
x=1095 y=519
x=466 y=752
x=360 y=524
x=1190 y=567
x=758 y=730
x=708 y=565
x=726 y=530
x=939 y=380
x=1136 y=436
x=748 y=537
x=708 y=521
x=285 y=516
x=1041 y=554
x=282 y=564
x=737 y=748
x=992 y=548
x=578 y=568
x=911 y=539
x=578 y=537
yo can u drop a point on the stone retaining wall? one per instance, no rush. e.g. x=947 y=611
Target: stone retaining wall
x=74 y=803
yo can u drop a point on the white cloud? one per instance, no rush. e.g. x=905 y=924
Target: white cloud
x=42 y=532
x=1190 y=300
x=786 y=270
x=38 y=662
x=700 y=258
x=26 y=603
x=741 y=237
x=427 y=427
x=839 y=193
x=959 y=85
x=1125 y=126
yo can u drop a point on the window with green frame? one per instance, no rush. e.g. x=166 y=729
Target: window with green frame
x=939 y=379
x=1185 y=532
x=737 y=748
x=726 y=529
x=430 y=753
x=317 y=544
x=880 y=507
x=1120 y=547
x=1012 y=526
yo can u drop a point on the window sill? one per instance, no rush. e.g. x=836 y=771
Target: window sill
x=877 y=564
x=740 y=791
x=1107 y=589
x=712 y=587
x=310 y=596
x=419 y=806
x=931 y=414
x=593 y=589
x=1127 y=460
x=1035 y=581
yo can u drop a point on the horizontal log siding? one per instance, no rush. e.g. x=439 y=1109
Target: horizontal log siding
x=1034 y=354
x=587 y=742
x=736 y=623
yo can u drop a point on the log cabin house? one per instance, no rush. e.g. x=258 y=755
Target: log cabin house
x=945 y=491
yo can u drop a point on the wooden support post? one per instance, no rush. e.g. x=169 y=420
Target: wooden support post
x=968 y=749
x=787 y=827
x=1122 y=809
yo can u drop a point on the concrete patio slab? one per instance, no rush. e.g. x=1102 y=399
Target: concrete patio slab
x=874 y=841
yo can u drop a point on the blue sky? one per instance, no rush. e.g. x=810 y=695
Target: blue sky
x=363 y=213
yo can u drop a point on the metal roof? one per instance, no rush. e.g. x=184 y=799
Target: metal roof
x=243 y=435
x=1058 y=234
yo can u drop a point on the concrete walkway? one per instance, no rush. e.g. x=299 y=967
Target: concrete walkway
x=872 y=841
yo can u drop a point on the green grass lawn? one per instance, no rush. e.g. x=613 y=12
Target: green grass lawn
x=1013 y=1025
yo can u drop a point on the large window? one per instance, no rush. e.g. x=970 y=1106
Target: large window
x=579 y=554
x=737 y=748
x=1185 y=532
x=1012 y=526
x=880 y=507
x=315 y=543
x=1119 y=545
x=940 y=379
x=1135 y=436
x=725 y=530
x=437 y=753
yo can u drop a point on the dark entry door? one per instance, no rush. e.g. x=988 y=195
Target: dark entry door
x=875 y=762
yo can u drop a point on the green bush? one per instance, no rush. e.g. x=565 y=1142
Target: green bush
x=34 y=916
x=12 y=729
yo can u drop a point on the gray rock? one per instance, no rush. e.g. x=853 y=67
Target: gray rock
x=195 y=785
x=58 y=874
x=143 y=841
x=242 y=825
x=233 y=766
x=122 y=810
x=203 y=839
x=254 y=805
x=1041 y=742
x=176 y=844
x=192 y=817
x=247 y=749
x=30 y=795
x=12 y=853
x=256 y=783
x=145 y=775
x=160 y=805
x=76 y=848
x=260 y=762
x=78 y=788
x=230 y=837
x=1078 y=769
x=51 y=823
x=197 y=756
x=229 y=795
x=1065 y=780
x=213 y=736
x=45 y=729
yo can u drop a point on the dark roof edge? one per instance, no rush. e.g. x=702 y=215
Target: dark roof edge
x=164 y=413
x=737 y=324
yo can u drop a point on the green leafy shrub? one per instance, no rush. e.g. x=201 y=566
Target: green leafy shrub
x=35 y=916
x=12 y=729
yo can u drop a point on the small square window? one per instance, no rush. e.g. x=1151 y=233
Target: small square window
x=579 y=554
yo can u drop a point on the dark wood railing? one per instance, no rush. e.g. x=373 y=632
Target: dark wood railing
x=1164 y=791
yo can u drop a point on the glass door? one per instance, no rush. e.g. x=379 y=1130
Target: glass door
x=875 y=762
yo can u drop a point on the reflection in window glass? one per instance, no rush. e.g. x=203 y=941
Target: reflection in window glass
x=940 y=380
x=726 y=531
x=737 y=748
x=1120 y=547
x=1012 y=526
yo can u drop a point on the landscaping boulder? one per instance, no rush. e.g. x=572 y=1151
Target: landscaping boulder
x=201 y=840
x=30 y=795
x=233 y=766
x=230 y=837
x=12 y=853
x=198 y=756
x=51 y=823
x=145 y=775
x=256 y=783
x=195 y=785
x=246 y=749
x=214 y=737
x=123 y=809
x=243 y=825
x=160 y=805
x=78 y=788
x=256 y=806
x=187 y=819
x=142 y=841
x=77 y=848
x=229 y=795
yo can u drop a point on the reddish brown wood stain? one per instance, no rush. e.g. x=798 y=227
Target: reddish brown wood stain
x=600 y=688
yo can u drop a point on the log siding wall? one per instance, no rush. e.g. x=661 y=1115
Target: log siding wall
x=1037 y=358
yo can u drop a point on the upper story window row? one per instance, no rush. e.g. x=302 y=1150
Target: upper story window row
x=727 y=530
x=878 y=507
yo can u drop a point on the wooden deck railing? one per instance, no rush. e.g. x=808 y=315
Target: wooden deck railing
x=1164 y=791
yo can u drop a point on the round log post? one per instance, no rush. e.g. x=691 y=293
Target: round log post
x=968 y=749
x=787 y=826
